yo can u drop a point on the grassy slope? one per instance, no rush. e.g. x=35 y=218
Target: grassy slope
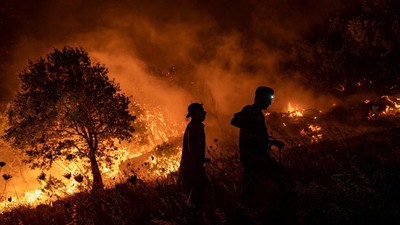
x=348 y=181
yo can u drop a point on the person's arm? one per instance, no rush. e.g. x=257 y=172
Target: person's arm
x=276 y=142
x=246 y=119
x=242 y=118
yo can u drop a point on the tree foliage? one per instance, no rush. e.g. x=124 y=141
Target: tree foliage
x=68 y=109
x=358 y=48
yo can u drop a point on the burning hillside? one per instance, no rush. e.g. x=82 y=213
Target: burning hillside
x=313 y=135
x=155 y=151
x=153 y=154
x=299 y=126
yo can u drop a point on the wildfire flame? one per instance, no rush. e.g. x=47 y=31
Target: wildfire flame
x=71 y=175
x=294 y=111
x=314 y=132
x=305 y=121
x=384 y=106
x=157 y=142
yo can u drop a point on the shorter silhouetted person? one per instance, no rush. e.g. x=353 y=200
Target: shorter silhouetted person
x=191 y=170
x=254 y=145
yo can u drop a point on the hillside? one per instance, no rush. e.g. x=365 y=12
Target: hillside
x=346 y=181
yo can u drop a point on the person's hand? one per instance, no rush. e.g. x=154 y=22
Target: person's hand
x=206 y=160
x=278 y=144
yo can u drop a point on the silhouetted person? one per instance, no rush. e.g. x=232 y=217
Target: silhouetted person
x=254 y=145
x=191 y=170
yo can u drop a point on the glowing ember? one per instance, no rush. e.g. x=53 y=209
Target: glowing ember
x=110 y=164
x=384 y=106
x=314 y=132
x=159 y=140
x=294 y=111
x=33 y=196
x=166 y=160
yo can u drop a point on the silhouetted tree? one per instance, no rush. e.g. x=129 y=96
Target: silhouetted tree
x=358 y=48
x=68 y=109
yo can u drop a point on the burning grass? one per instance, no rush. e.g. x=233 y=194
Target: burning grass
x=157 y=202
x=349 y=181
x=343 y=177
x=153 y=153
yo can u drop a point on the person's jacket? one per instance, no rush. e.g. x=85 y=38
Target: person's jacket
x=253 y=140
x=193 y=151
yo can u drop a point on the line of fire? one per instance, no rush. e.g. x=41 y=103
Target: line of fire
x=156 y=149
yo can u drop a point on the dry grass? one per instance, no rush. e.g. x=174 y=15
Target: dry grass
x=345 y=181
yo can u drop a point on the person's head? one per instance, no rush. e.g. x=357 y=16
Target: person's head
x=196 y=112
x=263 y=97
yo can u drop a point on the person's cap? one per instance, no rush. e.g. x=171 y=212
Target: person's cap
x=192 y=108
x=264 y=91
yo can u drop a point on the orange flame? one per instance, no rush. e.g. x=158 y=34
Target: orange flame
x=384 y=106
x=294 y=111
x=314 y=132
x=157 y=130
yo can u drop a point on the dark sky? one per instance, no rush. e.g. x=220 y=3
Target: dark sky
x=161 y=33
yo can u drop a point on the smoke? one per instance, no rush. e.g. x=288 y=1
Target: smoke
x=193 y=35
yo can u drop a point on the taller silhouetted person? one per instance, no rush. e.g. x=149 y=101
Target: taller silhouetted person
x=191 y=170
x=254 y=144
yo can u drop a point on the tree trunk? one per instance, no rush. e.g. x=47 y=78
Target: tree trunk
x=97 y=180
